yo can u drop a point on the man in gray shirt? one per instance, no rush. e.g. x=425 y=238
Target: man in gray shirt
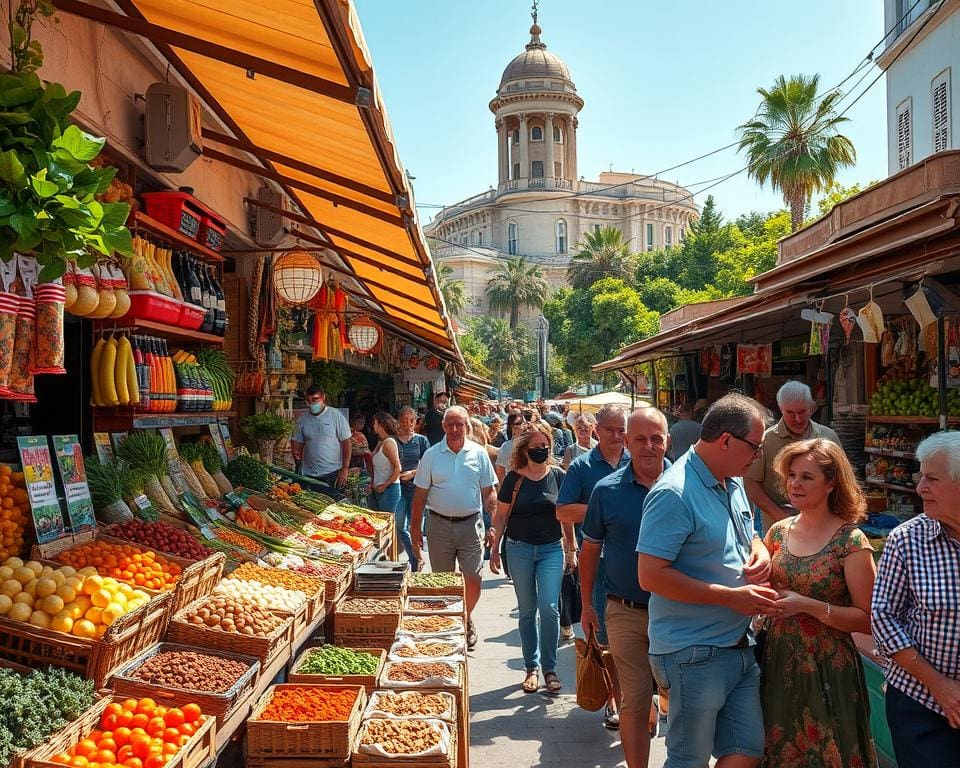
x=321 y=442
x=684 y=433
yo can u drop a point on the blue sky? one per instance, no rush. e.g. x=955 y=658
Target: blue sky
x=662 y=82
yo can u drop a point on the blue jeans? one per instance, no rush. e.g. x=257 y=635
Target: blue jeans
x=389 y=501
x=714 y=704
x=402 y=516
x=537 y=571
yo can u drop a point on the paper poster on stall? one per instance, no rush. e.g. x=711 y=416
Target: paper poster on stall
x=227 y=442
x=173 y=461
x=217 y=439
x=101 y=442
x=41 y=488
x=116 y=438
x=74 y=477
x=755 y=358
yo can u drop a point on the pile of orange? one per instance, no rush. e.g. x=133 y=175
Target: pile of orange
x=14 y=511
x=135 y=734
x=126 y=563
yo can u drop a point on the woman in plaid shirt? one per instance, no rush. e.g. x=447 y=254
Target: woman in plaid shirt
x=916 y=615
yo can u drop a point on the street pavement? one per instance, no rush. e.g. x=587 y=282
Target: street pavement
x=511 y=729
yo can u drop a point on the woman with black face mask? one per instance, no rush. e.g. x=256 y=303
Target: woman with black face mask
x=538 y=548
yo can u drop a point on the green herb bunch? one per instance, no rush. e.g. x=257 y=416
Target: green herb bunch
x=266 y=426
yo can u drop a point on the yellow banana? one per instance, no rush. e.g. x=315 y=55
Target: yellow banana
x=95 y=358
x=130 y=371
x=120 y=373
x=108 y=366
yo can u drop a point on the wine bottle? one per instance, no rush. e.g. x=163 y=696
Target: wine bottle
x=220 y=306
x=196 y=291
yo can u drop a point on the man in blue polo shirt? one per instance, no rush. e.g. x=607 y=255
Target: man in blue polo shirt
x=706 y=570
x=582 y=475
x=613 y=523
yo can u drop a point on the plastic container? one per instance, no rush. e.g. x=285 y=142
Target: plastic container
x=150 y=305
x=177 y=210
x=191 y=316
x=212 y=231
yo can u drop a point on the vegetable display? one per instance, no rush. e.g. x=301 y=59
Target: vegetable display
x=402 y=737
x=228 y=614
x=190 y=671
x=135 y=734
x=160 y=536
x=338 y=537
x=37 y=705
x=14 y=511
x=279 y=578
x=246 y=471
x=238 y=540
x=193 y=454
x=105 y=481
x=267 y=595
x=437 y=580
x=333 y=660
x=323 y=569
x=146 y=452
x=126 y=563
x=309 y=704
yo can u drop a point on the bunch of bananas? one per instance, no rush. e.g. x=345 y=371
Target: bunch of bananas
x=114 y=372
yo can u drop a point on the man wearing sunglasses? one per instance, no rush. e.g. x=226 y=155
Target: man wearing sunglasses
x=764 y=486
x=706 y=571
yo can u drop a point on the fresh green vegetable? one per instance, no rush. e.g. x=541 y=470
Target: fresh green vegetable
x=38 y=704
x=248 y=472
x=331 y=660
x=133 y=482
x=266 y=426
x=435 y=579
x=146 y=453
x=210 y=457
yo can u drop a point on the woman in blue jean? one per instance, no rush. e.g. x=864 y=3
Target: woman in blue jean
x=385 y=495
x=538 y=548
x=412 y=447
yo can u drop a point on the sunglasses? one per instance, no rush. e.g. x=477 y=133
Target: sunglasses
x=757 y=447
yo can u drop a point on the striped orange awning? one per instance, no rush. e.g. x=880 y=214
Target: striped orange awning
x=294 y=82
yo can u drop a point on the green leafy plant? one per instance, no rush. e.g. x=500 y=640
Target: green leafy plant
x=266 y=426
x=48 y=187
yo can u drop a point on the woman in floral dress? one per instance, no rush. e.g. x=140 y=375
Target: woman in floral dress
x=815 y=706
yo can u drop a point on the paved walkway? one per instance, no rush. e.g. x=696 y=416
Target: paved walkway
x=510 y=729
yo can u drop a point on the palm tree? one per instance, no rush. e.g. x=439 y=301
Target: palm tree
x=602 y=253
x=515 y=284
x=506 y=346
x=454 y=292
x=794 y=141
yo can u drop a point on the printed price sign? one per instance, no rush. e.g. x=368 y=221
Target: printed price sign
x=75 y=489
x=227 y=441
x=101 y=441
x=217 y=439
x=41 y=489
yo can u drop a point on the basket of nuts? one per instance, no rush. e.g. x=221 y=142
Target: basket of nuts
x=422 y=674
x=435 y=583
x=391 y=743
x=402 y=705
x=431 y=626
x=427 y=649
x=175 y=675
x=359 y=616
x=432 y=604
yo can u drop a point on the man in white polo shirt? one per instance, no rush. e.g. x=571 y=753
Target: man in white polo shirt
x=456 y=480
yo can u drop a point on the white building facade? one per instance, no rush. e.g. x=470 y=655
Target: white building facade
x=540 y=207
x=922 y=63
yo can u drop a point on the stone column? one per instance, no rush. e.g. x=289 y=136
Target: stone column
x=502 y=151
x=572 y=142
x=524 y=153
x=548 y=138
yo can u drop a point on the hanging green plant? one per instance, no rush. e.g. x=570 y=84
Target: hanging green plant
x=48 y=188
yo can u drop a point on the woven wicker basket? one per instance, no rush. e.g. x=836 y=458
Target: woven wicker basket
x=220 y=705
x=320 y=739
x=386 y=682
x=18 y=760
x=447 y=760
x=347 y=622
x=369 y=682
x=455 y=589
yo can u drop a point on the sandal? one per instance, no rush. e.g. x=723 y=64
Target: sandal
x=531 y=683
x=554 y=686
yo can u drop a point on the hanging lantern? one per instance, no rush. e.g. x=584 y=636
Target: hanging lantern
x=365 y=335
x=297 y=277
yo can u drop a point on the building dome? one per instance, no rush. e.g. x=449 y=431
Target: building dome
x=536 y=63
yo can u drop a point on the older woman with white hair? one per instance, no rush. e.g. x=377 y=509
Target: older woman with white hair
x=762 y=482
x=916 y=614
x=583 y=427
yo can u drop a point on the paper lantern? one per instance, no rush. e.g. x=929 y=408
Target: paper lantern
x=297 y=277
x=364 y=335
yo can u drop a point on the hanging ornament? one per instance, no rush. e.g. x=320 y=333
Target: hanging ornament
x=365 y=335
x=870 y=320
x=297 y=277
x=848 y=321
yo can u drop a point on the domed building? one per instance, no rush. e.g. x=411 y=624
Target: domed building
x=540 y=207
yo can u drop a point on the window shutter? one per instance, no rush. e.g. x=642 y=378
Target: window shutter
x=941 y=112
x=904 y=136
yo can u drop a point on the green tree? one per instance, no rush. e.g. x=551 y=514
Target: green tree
x=454 y=291
x=559 y=379
x=516 y=284
x=659 y=294
x=505 y=347
x=794 y=141
x=836 y=193
x=474 y=353
x=751 y=253
x=601 y=253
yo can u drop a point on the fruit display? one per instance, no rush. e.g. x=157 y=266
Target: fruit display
x=425 y=649
x=884 y=470
x=235 y=539
x=114 y=373
x=429 y=625
x=404 y=737
x=189 y=671
x=335 y=661
x=135 y=734
x=267 y=595
x=81 y=603
x=161 y=537
x=355 y=525
x=369 y=605
x=419 y=671
x=435 y=580
x=248 y=517
x=325 y=535
x=322 y=569
x=309 y=704
x=228 y=614
x=279 y=578
x=404 y=704
x=127 y=563
x=14 y=512
x=45 y=701
x=910 y=397
x=285 y=491
x=891 y=438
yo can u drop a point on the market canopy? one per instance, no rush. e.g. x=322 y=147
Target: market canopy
x=294 y=84
x=594 y=403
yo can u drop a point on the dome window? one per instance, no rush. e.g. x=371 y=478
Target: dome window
x=536 y=133
x=561 y=236
x=512 y=238
x=536 y=169
x=649 y=237
x=668 y=236
x=557 y=135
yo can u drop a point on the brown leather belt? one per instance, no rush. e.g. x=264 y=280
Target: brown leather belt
x=628 y=603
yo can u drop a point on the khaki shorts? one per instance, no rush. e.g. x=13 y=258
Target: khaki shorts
x=452 y=542
x=630 y=647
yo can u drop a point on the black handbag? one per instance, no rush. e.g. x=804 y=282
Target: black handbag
x=571 y=603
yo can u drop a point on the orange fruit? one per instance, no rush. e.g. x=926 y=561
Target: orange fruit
x=191 y=713
x=129 y=705
x=146 y=706
x=170 y=735
x=86 y=748
x=174 y=717
x=155 y=726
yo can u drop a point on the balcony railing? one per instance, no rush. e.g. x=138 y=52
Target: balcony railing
x=537 y=183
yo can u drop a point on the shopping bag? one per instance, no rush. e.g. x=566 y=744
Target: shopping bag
x=593 y=679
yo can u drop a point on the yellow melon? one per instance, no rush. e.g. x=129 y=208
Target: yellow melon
x=45 y=587
x=24 y=575
x=84 y=628
x=24 y=598
x=62 y=622
x=40 y=619
x=34 y=566
x=5 y=605
x=51 y=605
x=19 y=612
x=10 y=587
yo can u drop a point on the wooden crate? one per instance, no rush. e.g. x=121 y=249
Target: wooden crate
x=348 y=622
x=369 y=682
x=297 y=762
x=125 y=639
x=332 y=739
x=19 y=759
x=198 y=752
x=448 y=698
x=221 y=705
x=449 y=760
x=420 y=589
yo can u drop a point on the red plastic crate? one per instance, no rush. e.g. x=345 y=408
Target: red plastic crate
x=177 y=210
x=212 y=231
x=150 y=305
x=191 y=316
